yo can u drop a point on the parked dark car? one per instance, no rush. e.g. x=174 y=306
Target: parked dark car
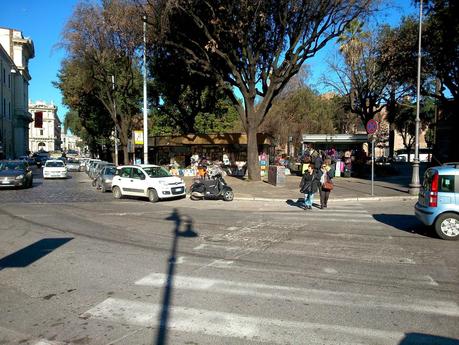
x=41 y=160
x=15 y=174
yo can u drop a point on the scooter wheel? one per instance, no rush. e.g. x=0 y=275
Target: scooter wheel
x=228 y=195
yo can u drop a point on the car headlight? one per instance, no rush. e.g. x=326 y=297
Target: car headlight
x=19 y=177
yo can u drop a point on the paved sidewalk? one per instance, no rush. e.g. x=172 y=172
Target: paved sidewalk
x=345 y=189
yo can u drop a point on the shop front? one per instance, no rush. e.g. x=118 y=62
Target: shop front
x=347 y=151
x=183 y=153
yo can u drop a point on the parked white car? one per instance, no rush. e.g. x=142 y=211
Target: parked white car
x=151 y=181
x=54 y=168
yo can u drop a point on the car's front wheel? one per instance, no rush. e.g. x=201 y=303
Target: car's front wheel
x=152 y=195
x=117 y=192
x=447 y=226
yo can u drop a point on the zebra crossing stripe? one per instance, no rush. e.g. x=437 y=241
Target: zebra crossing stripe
x=222 y=324
x=314 y=296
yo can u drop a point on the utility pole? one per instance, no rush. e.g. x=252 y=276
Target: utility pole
x=415 y=184
x=116 y=131
x=145 y=109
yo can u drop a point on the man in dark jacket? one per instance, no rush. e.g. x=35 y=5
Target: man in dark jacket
x=309 y=185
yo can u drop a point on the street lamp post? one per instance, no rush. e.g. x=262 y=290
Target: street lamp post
x=415 y=184
x=145 y=109
x=116 y=131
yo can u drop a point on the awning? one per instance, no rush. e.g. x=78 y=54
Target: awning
x=335 y=138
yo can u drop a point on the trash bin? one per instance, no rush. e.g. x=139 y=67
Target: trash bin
x=276 y=175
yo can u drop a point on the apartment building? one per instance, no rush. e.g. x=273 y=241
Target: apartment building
x=15 y=53
x=45 y=129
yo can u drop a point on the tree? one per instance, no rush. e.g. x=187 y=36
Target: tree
x=180 y=96
x=360 y=78
x=104 y=40
x=87 y=117
x=251 y=48
x=440 y=44
x=300 y=111
x=405 y=121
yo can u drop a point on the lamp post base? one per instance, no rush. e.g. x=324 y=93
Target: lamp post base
x=415 y=185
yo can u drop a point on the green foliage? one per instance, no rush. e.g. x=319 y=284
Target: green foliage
x=304 y=110
x=223 y=119
x=405 y=121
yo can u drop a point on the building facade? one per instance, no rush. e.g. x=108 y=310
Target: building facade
x=15 y=53
x=45 y=129
x=70 y=142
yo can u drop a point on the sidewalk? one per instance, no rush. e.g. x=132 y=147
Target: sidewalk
x=346 y=189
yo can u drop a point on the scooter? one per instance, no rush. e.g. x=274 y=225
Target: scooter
x=215 y=187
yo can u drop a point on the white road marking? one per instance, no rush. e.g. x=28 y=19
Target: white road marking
x=221 y=263
x=343 y=253
x=48 y=342
x=224 y=324
x=431 y=281
x=315 y=296
x=330 y=270
x=218 y=247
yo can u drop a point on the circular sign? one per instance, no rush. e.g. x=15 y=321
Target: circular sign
x=372 y=126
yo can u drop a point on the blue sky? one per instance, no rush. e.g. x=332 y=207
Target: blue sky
x=43 y=22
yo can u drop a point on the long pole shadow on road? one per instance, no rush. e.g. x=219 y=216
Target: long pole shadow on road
x=161 y=337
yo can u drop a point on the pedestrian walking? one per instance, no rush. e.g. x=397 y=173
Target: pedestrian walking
x=309 y=185
x=326 y=174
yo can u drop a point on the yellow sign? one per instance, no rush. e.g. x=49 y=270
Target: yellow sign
x=138 y=137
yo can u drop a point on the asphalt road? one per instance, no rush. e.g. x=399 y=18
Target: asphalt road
x=78 y=267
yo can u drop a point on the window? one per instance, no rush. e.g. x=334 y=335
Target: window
x=138 y=174
x=41 y=131
x=157 y=172
x=125 y=172
x=446 y=184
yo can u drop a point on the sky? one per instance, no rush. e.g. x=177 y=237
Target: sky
x=43 y=21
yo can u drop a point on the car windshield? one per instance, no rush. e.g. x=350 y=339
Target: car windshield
x=54 y=164
x=157 y=172
x=12 y=166
x=73 y=161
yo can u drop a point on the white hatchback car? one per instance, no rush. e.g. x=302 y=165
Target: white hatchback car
x=54 y=168
x=151 y=181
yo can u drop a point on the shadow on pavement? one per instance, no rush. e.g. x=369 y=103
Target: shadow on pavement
x=427 y=339
x=32 y=253
x=298 y=203
x=404 y=222
x=175 y=217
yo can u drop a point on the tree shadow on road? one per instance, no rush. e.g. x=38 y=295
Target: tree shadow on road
x=161 y=337
x=404 y=222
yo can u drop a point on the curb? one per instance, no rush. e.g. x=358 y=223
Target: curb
x=371 y=198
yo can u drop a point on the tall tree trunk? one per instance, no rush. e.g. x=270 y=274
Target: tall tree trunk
x=253 y=165
x=125 y=154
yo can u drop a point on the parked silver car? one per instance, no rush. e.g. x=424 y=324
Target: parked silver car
x=73 y=165
x=104 y=180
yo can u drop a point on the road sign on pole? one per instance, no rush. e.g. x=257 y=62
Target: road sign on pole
x=372 y=126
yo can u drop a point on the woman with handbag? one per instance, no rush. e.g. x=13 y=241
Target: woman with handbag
x=326 y=184
x=309 y=185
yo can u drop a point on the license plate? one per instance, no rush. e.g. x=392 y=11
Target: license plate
x=177 y=189
x=5 y=182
